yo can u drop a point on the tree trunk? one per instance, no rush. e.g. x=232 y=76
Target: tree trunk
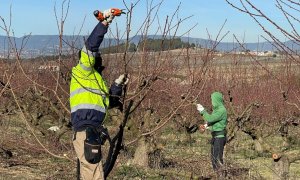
x=281 y=168
x=141 y=154
x=258 y=147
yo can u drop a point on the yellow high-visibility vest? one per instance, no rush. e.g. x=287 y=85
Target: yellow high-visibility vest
x=89 y=95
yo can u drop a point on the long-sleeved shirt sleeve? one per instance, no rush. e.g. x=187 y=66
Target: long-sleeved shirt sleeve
x=115 y=93
x=215 y=116
x=96 y=37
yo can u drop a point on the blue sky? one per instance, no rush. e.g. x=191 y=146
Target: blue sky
x=37 y=17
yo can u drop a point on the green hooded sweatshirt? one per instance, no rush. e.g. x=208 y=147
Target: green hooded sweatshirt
x=217 y=120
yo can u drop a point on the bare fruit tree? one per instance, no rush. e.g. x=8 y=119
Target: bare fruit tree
x=289 y=10
x=163 y=84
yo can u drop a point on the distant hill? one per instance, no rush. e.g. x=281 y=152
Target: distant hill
x=48 y=44
x=229 y=46
x=224 y=46
x=41 y=42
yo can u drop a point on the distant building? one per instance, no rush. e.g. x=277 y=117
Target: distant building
x=54 y=68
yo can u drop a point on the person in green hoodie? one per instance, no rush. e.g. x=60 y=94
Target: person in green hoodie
x=216 y=122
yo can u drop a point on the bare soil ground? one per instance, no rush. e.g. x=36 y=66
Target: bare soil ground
x=21 y=157
x=179 y=158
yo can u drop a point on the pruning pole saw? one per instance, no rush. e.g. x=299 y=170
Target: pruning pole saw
x=195 y=127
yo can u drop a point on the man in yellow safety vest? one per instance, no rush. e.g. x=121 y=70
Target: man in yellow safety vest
x=89 y=100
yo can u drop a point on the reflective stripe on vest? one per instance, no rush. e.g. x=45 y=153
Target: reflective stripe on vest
x=82 y=90
x=88 y=106
x=85 y=67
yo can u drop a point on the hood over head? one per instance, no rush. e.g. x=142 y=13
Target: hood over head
x=217 y=99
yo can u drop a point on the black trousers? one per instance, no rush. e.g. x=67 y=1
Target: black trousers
x=217 y=148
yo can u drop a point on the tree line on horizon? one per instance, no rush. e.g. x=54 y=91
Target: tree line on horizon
x=149 y=44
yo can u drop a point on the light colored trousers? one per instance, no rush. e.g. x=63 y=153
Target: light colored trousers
x=88 y=171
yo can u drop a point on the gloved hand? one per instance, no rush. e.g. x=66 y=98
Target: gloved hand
x=203 y=127
x=108 y=15
x=122 y=80
x=200 y=108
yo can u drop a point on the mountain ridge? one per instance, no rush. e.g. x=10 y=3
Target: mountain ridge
x=48 y=42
